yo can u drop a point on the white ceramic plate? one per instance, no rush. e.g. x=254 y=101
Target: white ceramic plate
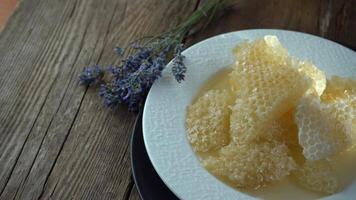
x=165 y=108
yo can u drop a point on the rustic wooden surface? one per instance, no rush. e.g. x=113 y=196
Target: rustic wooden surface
x=57 y=141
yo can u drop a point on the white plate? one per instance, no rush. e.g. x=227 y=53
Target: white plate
x=165 y=108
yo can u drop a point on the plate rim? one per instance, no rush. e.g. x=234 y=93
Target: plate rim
x=139 y=152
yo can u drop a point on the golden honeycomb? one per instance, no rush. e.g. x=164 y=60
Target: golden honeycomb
x=279 y=116
x=318 y=77
x=271 y=85
x=327 y=125
x=317 y=176
x=251 y=165
x=208 y=121
x=320 y=133
x=339 y=88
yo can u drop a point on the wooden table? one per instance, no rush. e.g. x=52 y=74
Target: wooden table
x=57 y=141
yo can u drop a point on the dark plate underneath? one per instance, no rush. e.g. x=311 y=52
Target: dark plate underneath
x=148 y=183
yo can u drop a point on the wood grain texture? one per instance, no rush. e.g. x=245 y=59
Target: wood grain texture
x=57 y=140
x=332 y=19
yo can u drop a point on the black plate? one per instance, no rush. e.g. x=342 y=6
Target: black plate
x=148 y=183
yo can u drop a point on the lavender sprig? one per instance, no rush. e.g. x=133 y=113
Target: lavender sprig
x=91 y=75
x=179 y=69
x=130 y=81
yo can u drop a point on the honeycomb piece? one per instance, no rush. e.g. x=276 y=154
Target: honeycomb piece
x=251 y=165
x=267 y=83
x=339 y=88
x=317 y=176
x=207 y=120
x=340 y=94
x=318 y=77
x=324 y=129
x=267 y=49
x=283 y=130
x=344 y=110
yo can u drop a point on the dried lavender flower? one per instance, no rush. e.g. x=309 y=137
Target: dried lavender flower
x=179 y=69
x=131 y=80
x=91 y=75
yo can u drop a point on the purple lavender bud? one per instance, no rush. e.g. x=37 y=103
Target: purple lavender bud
x=91 y=75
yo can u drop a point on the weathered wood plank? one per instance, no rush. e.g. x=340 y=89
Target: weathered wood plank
x=56 y=139
x=333 y=19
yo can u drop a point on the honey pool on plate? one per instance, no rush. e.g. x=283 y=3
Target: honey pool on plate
x=343 y=164
x=274 y=127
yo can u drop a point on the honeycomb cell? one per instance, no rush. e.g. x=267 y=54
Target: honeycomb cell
x=339 y=88
x=327 y=125
x=251 y=165
x=283 y=130
x=207 y=120
x=325 y=128
x=317 y=176
x=267 y=83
